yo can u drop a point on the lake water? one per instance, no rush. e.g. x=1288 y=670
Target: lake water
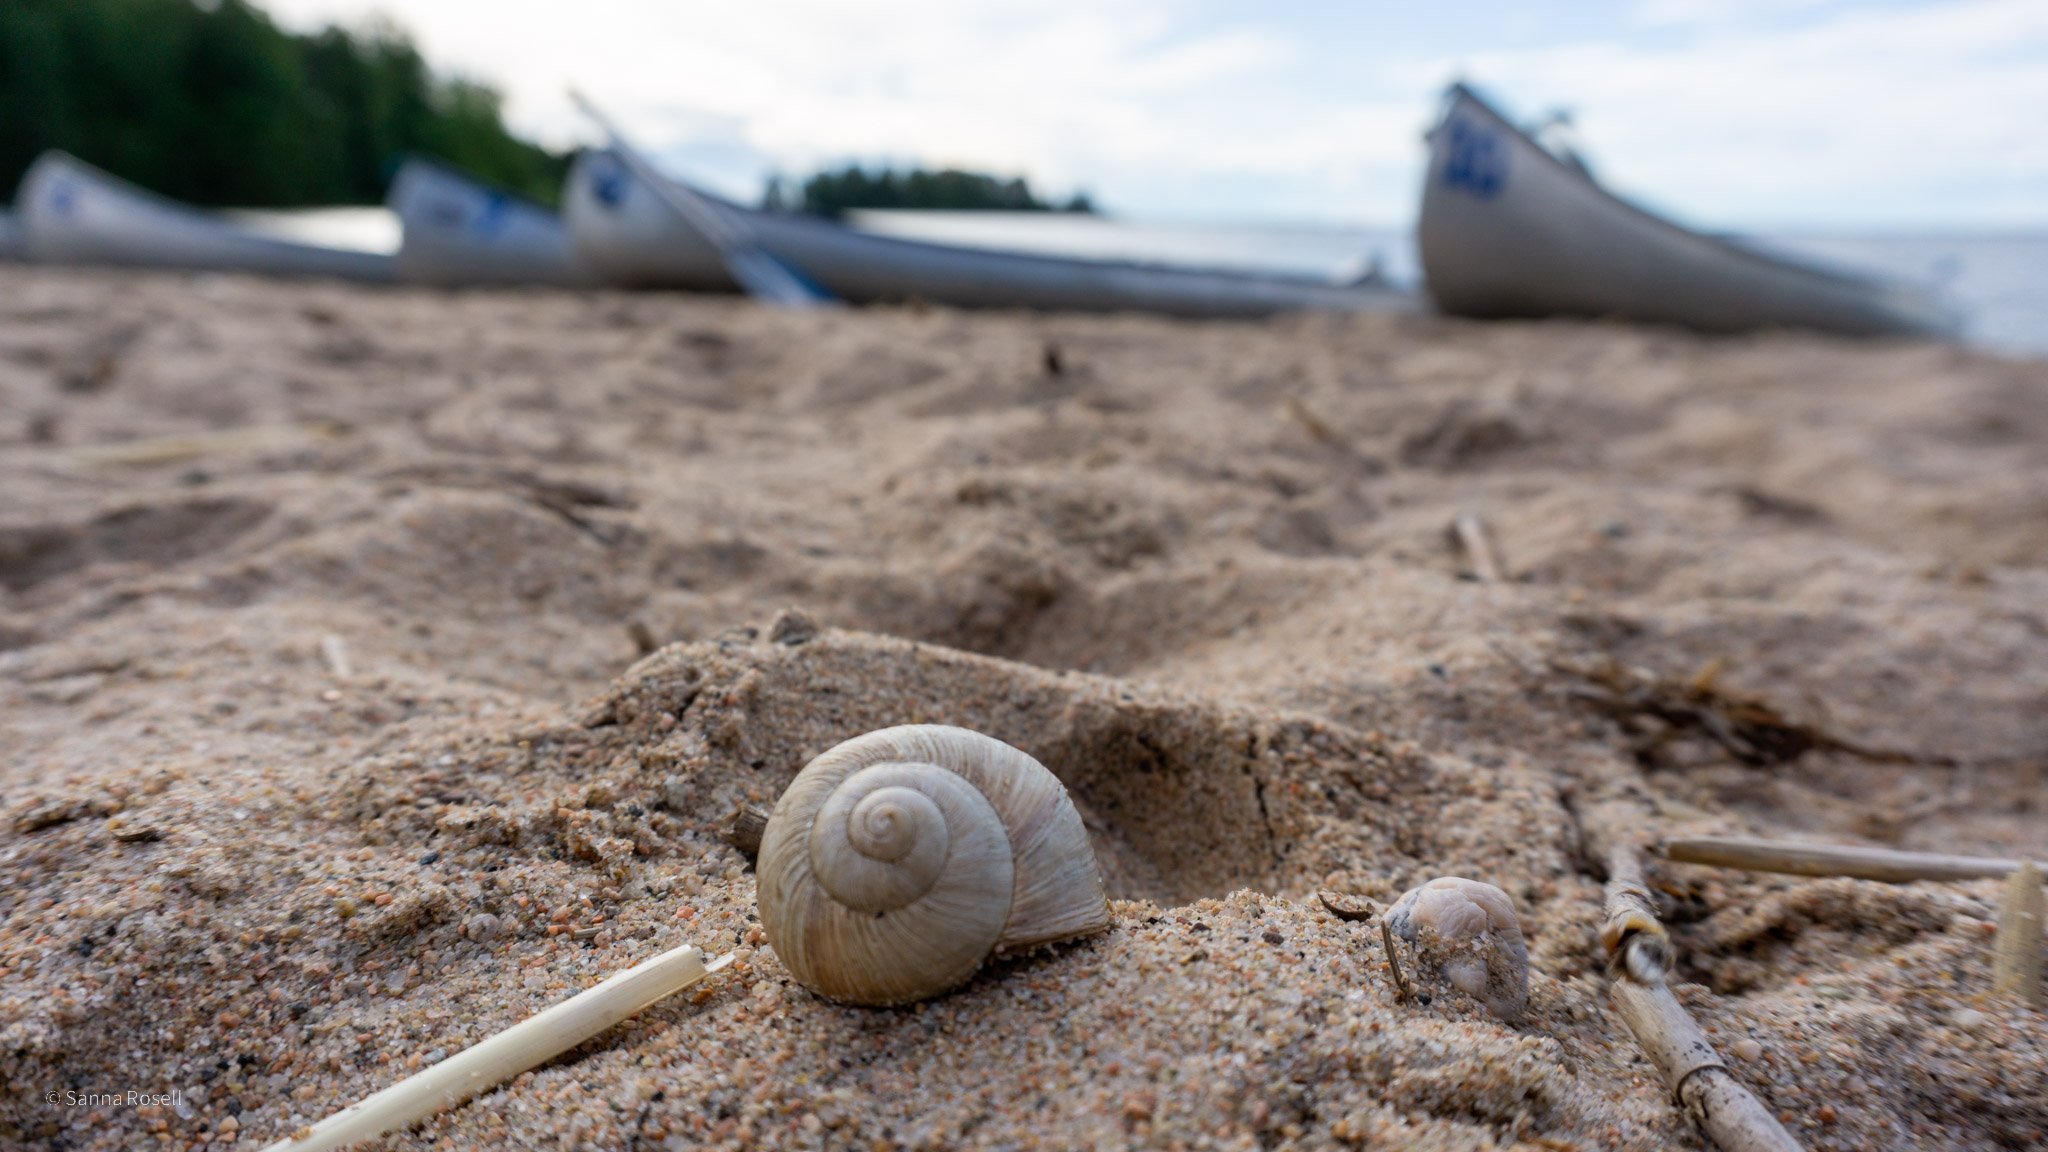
x=2000 y=282
x=359 y=229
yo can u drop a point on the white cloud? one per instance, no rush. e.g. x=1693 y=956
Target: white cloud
x=1736 y=111
x=1110 y=95
x=1867 y=115
x=1657 y=13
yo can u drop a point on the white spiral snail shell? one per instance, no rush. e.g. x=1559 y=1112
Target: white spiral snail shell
x=898 y=861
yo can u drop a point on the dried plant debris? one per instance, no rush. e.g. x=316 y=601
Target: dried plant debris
x=1468 y=534
x=1881 y=915
x=1758 y=502
x=1656 y=710
x=2016 y=964
x=1349 y=906
x=1800 y=859
x=1638 y=956
x=1631 y=933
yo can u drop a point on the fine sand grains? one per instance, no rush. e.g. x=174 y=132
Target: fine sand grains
x=377 y=668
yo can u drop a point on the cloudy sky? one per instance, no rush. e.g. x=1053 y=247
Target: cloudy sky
x=1736 y=113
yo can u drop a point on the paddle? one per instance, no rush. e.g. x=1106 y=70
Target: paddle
x=764 y=276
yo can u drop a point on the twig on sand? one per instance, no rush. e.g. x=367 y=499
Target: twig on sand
x=1796 y=859
x=525 y=1045
x=2016 y=956
x=1469 y=532
x=1722 y=1108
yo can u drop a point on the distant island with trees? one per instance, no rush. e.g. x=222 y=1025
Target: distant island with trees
x=833 y=193
x=212 y=103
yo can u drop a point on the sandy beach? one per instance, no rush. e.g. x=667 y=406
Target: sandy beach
x=376 y=667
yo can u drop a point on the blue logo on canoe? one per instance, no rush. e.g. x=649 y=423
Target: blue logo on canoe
x=608 y=183
x=491 y=220
x=1476 y=159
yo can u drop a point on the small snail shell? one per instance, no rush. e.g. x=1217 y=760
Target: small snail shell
x=1466 y=932
x=897 y=862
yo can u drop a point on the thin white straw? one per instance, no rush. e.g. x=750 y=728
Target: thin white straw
x=527 y=1044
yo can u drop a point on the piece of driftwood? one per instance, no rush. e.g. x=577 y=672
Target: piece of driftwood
x=1797 y=859
x=1724 y=1110
x=490 y=1062
x=2016 y=956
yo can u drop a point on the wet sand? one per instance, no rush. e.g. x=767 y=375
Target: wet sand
x=376 y=667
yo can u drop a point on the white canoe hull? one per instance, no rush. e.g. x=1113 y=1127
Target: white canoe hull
x=459 y=231
x=1508 y=229
x=73 y=213
x=13 y=246
x=630 y=236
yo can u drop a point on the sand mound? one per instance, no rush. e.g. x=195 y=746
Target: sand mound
x=375 y=667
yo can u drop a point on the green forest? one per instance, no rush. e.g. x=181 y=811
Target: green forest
x=832 y=193
x=212 y=103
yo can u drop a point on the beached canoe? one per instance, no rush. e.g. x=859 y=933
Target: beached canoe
x=460 y=231
x=630 y=236
x=1509 y=228
x=73 y=213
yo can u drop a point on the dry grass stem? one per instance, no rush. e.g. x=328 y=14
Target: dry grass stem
x=1470 y=533
x=527 y=1044
x=1732 y=1118
x=1394 y=961
x=334 y=651
x=2016 y=961
x=1634 y=938
x=1318 y=428
x=177 y=449
x=1322 y=432
x=1830 y=859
